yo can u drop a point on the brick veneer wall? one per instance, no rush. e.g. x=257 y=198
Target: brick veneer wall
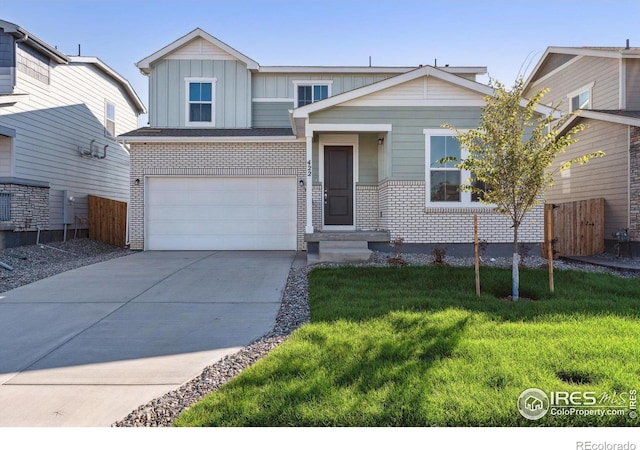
x=367 y=207
x=403 y=213
x=634 y=183
x=213 y=159
x=29 y=207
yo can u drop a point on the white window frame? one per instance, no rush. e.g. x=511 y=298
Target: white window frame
x=465 y=196
x=108 y=120
x=312 y=83
x=187 y=117
x=588 y=89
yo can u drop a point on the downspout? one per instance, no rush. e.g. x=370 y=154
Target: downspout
x=126 y=232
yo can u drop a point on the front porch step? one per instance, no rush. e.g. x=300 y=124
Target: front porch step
x=343 y=252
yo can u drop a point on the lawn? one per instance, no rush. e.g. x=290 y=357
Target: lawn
x=414 y=346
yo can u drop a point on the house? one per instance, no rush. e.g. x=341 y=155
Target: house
x=243 y=156
x=59 y=116
x=602 y=85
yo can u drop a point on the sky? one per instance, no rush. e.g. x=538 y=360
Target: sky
x=508 y=37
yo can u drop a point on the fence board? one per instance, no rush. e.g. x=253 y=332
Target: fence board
x=107 y=220
x=578 y=227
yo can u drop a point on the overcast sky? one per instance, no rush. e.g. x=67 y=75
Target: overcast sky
x=508 y=37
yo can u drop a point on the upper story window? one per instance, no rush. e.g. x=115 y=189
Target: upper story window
x=580 y=99
x=200 y=107
x=443 y=179
x=110 y=118
x=309 y=91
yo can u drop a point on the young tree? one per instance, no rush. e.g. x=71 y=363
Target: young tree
x=510 y=153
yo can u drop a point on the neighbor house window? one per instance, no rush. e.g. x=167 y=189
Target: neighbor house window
x=200 y=108
x=110 y=118
x=580 y=99
x=307 y=92
x=443 y=179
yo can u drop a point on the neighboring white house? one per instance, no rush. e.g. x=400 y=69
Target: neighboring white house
x=59 y=115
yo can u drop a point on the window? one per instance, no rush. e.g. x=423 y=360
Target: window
x=580 y=99
x=443 y=180
x=5 y=206
x=200 y=108
x=110 y=118
x=307 y=92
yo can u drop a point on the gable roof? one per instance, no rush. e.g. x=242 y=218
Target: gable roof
x=479 y=88
x=301 y=114
x=33 y=41
x=145 y=64
x=115 y=76
x=619 y=116
x=601 y=52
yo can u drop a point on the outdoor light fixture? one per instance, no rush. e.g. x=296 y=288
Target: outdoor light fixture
x=380 y=141
x=301 y=183
x=137 y=182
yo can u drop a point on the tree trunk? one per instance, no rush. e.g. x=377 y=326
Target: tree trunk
x=515 y=266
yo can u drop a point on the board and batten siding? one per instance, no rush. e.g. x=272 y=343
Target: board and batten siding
x=632 y=77
x=270 y=86
x=602 y=177
x=603 y=72
x=57 y=118
x=7 y=63
x=168 y=96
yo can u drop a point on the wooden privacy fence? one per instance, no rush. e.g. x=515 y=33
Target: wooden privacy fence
x=577 y=227
x=107 y=220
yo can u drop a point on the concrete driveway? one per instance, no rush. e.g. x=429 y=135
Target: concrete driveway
x=88 y=346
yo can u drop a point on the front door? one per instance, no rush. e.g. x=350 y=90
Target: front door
x=338 y=185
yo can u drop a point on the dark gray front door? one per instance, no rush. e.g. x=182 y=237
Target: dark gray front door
x=338 y=185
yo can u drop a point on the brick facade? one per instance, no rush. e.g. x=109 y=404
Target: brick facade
x=634 y=183
x=213 y=159
x=29 y=207
x=399 y=207
x=403 y=213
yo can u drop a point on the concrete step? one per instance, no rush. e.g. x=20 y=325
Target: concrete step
x=331 y=245
x=343 y=252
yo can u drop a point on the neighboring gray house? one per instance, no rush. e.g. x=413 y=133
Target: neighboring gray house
x=244 y=156
x=59 y=116
x=603 y=85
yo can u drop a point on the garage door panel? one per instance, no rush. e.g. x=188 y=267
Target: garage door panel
x=209 y=213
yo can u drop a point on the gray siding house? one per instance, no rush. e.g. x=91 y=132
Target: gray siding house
x=243 y=156
x=602 y=86
x=59 y=116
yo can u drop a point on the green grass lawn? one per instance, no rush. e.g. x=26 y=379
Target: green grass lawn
x=414 y=346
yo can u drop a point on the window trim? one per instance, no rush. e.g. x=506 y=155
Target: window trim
x=108 y=120
x=187 y=117
x=312 y=83
x=465 y=196
x=587 y=88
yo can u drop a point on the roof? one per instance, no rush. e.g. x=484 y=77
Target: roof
x=299 y=115
x=33 y=41
x=149 y=134
x=619 y=116
x=477 y=70
x=123 y=82
x=602 y=52
x=145 y=64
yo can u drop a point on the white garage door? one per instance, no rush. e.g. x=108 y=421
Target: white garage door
x=198 y=213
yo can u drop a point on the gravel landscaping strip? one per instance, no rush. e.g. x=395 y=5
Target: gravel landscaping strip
x=34 y=262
